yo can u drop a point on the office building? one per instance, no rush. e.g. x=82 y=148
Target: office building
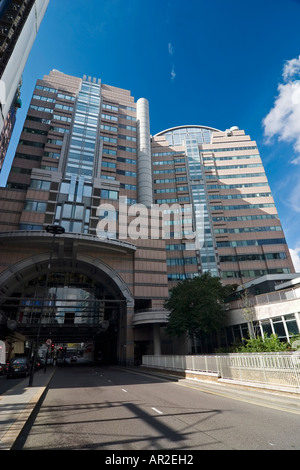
x=139 y=213
x=220 y=173
x=19 y=24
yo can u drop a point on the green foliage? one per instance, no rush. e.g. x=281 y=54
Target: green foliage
x=267 y=344
x=295 y=342
x=196 y=305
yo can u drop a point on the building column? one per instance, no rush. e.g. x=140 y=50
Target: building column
x=128 y=344
x=156 y=340
x=144 y=166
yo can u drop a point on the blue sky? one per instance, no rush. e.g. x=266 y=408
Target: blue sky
x=206 y=62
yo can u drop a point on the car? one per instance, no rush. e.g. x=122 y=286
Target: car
x=18 y=367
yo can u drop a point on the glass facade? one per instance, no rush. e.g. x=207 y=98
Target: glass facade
x=84 y=137
x=82 y=161
x=284 y=326
x=203 y=227
x=178 y=135
x=190 y=137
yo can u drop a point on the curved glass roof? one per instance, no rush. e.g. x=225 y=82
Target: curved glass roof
x=176 y=135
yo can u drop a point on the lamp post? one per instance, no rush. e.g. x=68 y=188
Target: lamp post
x=55 y=230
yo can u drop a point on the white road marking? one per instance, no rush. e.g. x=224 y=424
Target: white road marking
x=157 y=411
x=124 y=390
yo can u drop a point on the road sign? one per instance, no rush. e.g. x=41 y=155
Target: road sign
x=48 y=342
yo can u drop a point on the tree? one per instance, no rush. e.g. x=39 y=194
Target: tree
x=197 y=305
x=249 y=311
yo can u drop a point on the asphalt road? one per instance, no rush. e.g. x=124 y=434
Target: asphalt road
x=6 y=384
x=111 y=409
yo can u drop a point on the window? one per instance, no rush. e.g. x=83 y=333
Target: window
x=73 y=211
x=129 y=128
x=109 y=151
x=70 y=226
x=272 y=241
x=32 y=144
x=129 y=118
x=30 y=227
x=52 y=155
x=40 y=184
x=108 y=139
x=110 y=107
x=75 y=170
x=109 y=128
x=36 y=119
x=59 y=129
x=129 y=108
x=126 y=160
x=43 y=98
x=45 y=88
x=241 y=207
x=34 y=131
x=66 y=97
x=127 y=137
x=109 y=194
x=64 y=107
x=127 y=149
x=108 y=164
x=54 y=141
x=109 y=117
x=126 y=173
x=130 y=187
x=61 y=118
x=279 y=327
x=37 y=206
x=87 y=190
x=291 y=324
x=41 y=108
x=181 y=261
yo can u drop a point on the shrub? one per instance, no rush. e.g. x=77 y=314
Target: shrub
x=267 y=344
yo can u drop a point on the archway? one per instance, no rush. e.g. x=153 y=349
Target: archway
x=73 y=300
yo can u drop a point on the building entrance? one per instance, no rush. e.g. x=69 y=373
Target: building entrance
x=70 y=306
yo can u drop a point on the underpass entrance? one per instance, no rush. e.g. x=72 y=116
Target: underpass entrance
x=71 y=304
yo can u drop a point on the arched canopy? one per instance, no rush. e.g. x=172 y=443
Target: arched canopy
x=176 y=135
x=28 y=268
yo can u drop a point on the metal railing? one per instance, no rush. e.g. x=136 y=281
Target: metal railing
x=271 y=297
x=271 y=370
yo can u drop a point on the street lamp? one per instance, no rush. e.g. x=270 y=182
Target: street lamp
x=54 y=230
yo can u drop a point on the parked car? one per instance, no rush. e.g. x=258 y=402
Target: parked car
x=3 y=369
x=18 y=366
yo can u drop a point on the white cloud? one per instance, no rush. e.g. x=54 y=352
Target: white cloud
x=173 y=74
x=283 y=120
x=293 y=194
x=291 y=68
x=295 y=254
x=171 y=49
x=171 y=52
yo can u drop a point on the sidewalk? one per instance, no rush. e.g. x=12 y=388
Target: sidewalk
x=17 y=404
